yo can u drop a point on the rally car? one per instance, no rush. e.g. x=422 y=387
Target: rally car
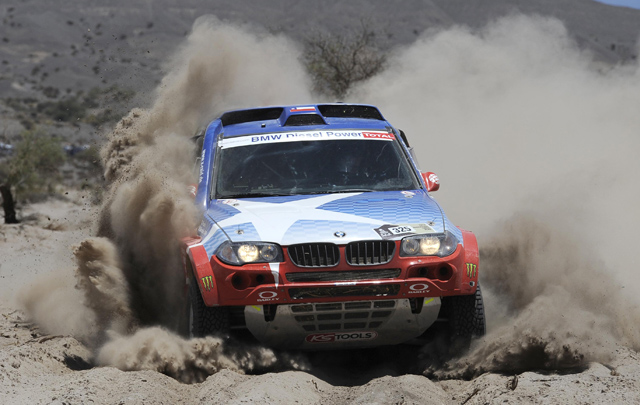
x=318 y=231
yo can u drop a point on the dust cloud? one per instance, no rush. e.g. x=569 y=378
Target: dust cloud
x=149 y=161
x=130 y=278
x=149 y=158
x=106 y=292
x=536 y=144
x=193 y=360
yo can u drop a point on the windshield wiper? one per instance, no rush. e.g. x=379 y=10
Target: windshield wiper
x=284 y=194
x=254 y=195
x=354 y=190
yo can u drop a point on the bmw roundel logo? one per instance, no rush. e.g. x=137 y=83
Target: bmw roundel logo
x=339 y=234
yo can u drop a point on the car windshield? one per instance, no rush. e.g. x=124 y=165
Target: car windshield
x=312 y=167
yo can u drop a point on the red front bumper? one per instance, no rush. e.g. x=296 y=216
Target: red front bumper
x=260 y=284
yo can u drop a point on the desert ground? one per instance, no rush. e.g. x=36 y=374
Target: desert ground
x=527 y=111
x=43 y=368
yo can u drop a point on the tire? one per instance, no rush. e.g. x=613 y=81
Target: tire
x=204 y=320
x=466 y=318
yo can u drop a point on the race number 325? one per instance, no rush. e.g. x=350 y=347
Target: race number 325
x=396 y=230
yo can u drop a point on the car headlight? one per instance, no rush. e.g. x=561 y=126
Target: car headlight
x=238 y=253
x=435 y=244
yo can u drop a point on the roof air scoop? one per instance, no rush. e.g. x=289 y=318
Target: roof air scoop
x=304 y=119
x=252 y=115
x=350 y=111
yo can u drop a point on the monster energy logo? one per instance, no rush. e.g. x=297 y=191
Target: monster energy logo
x=472 y=269
x=207 y=282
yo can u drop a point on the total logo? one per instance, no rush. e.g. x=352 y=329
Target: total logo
x=418 y=288
x=333 y=337
x=268 y=296
x=378 y=135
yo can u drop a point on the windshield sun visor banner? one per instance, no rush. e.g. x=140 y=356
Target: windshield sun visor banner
x=305 y=136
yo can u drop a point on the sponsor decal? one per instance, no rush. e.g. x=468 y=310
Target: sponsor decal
x=268 y=296
x=333 y=337
x=434 y=179
x=392 y=231
x=303 y=136
x=204 y=227
x=302 y=109
x=472 y=269
x=207 y=282
x=265 y=138
x=193 y=189
x=418 y=288
x=201 y=176
x=378 y=135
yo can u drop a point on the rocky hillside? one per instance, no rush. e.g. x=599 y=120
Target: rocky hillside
x=73 y=67
x=58 y=48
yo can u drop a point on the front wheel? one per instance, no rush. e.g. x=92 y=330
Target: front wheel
x=466 y=318
x=204 y=320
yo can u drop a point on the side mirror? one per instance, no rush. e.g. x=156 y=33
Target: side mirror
x=404 y=138
x=431 y=180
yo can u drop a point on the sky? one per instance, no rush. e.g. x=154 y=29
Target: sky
x=625 y=3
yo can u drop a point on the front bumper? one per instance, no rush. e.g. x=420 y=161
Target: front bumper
x=287 y=306
x=265 y=284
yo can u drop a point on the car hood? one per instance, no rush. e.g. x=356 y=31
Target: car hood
x=337 y=218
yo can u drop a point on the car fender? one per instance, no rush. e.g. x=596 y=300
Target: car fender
x=471 y=263
x=203 y=274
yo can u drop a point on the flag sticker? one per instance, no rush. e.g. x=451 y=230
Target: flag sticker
x=302 y=109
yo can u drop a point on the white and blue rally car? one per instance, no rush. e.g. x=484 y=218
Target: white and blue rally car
x=318 y=232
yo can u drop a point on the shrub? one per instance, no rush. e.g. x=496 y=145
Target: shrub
x=67 y=110
x=337 y=61
x=32 y=169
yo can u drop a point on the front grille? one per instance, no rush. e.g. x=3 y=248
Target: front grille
x=314 y=254
x=372 y=252
x=343 y=275
x=344 y=291
x=343 y=316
